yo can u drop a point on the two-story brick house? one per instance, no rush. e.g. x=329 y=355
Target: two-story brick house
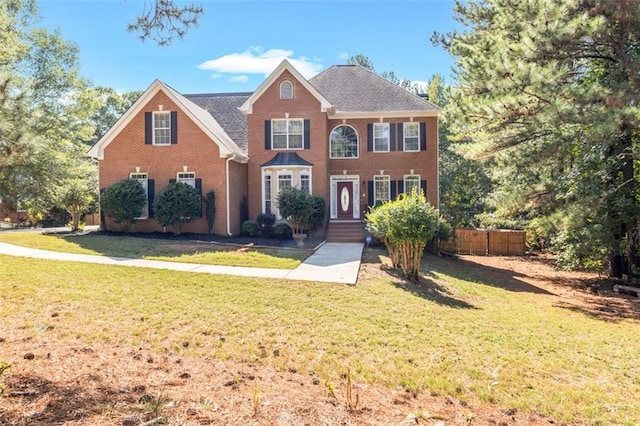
x=347 y=135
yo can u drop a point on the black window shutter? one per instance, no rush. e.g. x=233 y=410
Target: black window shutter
x=369 y=137
x=267 y=134
x=172 y=181
x=423 y=136
x=199 y=189
x=392 y=191
x=307 y=134
x=423 y=186
x=174 y=127
x=148 y=128
x=392 y=137
x=400 y=186
x=400 y=137
x=371 y=200
x=150 y=196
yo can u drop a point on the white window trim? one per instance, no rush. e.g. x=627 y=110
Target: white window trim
x=381 y=178
x=404 y=136
x=153 y=127
x=388 y=138
x=181 y=177
x=412 y=177
x=305 y=172
x=290 y=84
x=139 y=177
x=266 y=174
x=287 y=120
x=357 y=144
x=275 y=172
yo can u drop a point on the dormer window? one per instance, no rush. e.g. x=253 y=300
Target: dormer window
x=286 y=90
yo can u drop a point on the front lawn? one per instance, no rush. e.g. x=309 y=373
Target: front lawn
x=466 y=333
x=206 y=253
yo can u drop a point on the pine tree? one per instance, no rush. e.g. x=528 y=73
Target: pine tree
x=549 y=89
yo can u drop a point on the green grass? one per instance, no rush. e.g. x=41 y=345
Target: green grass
x=458 y=334
x=173 y=251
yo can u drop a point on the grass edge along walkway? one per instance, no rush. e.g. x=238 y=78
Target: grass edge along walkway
x=332 y=262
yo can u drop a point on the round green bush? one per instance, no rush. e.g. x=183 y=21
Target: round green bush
x=282 y=231
x=249 y=228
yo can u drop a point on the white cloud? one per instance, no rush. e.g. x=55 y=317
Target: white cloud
x=255 y=60
x=424 y=85
x=214 y=76
x=343 y=56
x=239 y=79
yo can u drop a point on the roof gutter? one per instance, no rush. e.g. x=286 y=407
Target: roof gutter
x=233 y=156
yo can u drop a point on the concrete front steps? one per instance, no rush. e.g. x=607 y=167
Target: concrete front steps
x=345 y=232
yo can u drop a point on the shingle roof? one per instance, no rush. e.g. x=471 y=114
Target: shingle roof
x=353 y=88
x=224 y=107
x=287 y=159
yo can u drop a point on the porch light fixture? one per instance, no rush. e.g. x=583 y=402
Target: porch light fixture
x=411 y=171
x=381 y=171
x=160 y=107
x=185 y=168
x=344 y=172
x=137 y=169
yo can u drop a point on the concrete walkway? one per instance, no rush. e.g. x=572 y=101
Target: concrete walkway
x=332 y=263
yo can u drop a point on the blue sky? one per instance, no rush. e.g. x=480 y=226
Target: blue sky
x=238 y=42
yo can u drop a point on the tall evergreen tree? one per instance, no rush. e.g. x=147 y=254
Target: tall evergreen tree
x=549 y=89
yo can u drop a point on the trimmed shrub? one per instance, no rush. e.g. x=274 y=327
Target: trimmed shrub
x=266 y=220
x=210 y=210
x=176 y=204
x=282 y=231
x=319 y=206
x=123 y=201
x=249 y=228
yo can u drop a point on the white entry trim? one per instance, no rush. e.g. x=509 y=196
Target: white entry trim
x=355 y=179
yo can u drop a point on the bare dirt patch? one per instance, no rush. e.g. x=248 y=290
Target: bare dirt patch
x=54 y=381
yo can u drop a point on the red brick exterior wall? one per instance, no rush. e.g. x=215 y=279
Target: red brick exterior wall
x=395 y=164
x=162 y=163
x=201 y=156
x=269 y=106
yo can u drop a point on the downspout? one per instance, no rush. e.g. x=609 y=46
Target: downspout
x=233 y=156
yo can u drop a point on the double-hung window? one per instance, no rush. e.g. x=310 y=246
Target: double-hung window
x=381 y=189
x=285 y=181
x=381 y=137
x=143 y=178
x=267 y=194
x=187 y=177
x=411 y=184
x=411 y=133
x=162 y=128
x=305 y=182
x=287 y=134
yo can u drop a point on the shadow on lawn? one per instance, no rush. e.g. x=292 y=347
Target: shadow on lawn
x=59 y=403
x=430 y=290
x=486 y=275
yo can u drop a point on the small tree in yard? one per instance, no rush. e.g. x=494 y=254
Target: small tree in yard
x=176 y=204
x=404 y=226
x=296 y=208
x=76 y=196
x=123 y=201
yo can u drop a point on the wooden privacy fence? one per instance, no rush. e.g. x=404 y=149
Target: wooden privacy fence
x=484 y=242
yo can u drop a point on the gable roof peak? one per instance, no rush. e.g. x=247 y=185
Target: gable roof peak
x=285 y=65
x=197 y=114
